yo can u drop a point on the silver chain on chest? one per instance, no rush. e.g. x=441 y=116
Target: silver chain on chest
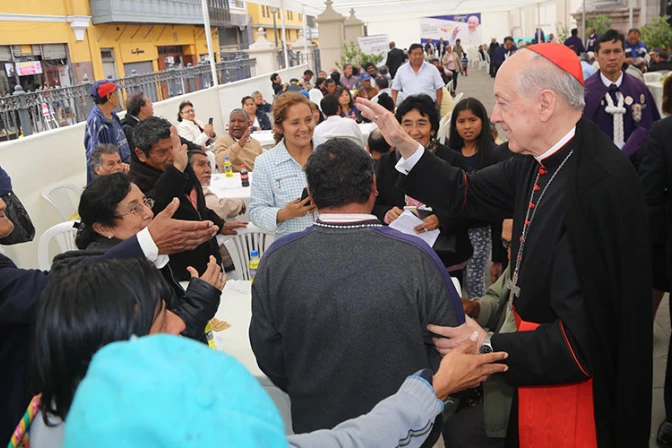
x=529 y=217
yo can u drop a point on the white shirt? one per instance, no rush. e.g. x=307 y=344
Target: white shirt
x=427 y=80
x=336 y=126
x=608 y=83
x=555 y=148
x=340 y=218
x=149 y=248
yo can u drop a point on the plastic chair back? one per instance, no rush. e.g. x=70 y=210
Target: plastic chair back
x=239 y=246
x=64 y=233
x=65 y=197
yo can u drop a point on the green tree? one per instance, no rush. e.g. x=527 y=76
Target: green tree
x=352 y=54
x=657 y=34
x=600 y=22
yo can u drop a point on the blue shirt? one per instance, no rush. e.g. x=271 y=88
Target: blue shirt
x=637 y=50
x=100 y=129
x=588 y=70
x=277 y=180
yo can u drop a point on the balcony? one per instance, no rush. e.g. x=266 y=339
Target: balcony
x=174 y=12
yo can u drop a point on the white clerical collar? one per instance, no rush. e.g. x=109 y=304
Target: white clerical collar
x=337 y=218
x=608 y=83
x=555 y=148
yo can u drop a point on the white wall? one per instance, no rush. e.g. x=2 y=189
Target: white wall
x=40 y=160
x=402 y=32
x=495 y=24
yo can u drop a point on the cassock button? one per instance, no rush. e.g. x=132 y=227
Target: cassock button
x=531 y=205
x=522 y=239
x=527 y=222
x=543 y=171
x=536 y=187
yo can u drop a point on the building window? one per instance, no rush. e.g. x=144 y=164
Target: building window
x=264 y=13
x=300 y=17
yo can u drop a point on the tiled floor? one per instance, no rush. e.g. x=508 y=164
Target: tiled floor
x=479 y=85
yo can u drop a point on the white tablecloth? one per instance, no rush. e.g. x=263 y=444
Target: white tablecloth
x=230 y=187
x=236 y=309
x=656 y=89
x=265 y=138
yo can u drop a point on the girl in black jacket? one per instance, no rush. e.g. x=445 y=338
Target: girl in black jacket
x=471 y=138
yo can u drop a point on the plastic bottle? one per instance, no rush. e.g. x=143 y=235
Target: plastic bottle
x=244 y=177
x=254 y=264
x=210 y=336
x=228 y=168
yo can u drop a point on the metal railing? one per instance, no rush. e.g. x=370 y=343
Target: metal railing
x=298 y=57
x=24 y=113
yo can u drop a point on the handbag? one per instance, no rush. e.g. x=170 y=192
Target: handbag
x=24 y=230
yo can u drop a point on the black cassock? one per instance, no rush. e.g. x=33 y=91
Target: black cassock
x=584 y=276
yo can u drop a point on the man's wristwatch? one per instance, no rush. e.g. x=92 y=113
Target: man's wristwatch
x=486 y=346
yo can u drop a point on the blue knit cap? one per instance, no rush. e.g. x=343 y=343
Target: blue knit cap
x=5 y=183
x=169 y=391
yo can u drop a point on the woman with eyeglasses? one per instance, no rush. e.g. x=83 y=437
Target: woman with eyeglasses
x=113 y=209
x=192 y=129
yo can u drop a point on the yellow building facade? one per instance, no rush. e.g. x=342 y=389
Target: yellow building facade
x=262 y=16
x=61 y=36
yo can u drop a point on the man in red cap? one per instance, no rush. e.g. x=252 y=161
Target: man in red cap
x=103 y=125
x=580 y=355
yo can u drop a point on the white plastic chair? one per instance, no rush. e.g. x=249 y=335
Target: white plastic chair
x=239 y=246
x=444 y=129
x=484 y=63
x=61 y=196
x=64 y=234
x=458 y=97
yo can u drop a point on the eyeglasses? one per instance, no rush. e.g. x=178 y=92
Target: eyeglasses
x=506 y=244
x=139 y=208
x=190 y=111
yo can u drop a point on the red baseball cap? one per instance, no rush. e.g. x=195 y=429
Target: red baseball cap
x=562 y=56
x=100 y=89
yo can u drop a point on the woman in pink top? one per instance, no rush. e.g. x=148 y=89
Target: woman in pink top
x=451 y=61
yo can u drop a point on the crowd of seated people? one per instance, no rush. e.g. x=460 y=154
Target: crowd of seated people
x=329 y=193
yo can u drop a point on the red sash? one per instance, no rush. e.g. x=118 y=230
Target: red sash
x=555 y=416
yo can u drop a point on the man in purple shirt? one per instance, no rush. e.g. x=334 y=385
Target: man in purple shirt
x=349 y=81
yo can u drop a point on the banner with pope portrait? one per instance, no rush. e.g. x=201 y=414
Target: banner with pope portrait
x=466 y=27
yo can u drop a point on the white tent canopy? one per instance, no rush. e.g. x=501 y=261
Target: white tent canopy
x=367 y=10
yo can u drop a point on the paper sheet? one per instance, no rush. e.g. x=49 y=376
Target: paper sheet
x=407 y=221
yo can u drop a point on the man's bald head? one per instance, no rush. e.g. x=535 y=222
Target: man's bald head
x=537 y=102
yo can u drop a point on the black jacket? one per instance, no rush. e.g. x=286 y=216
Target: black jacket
x=499 y=254
x=19 y=291
x=608 y=236
x=129 y=123
x=390 y=196
x=163 y=186
x=195 y=306
x=264 y=121
x=395 y=57
x=655 y=172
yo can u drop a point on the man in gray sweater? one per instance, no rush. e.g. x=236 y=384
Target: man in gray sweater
x=334 y=323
